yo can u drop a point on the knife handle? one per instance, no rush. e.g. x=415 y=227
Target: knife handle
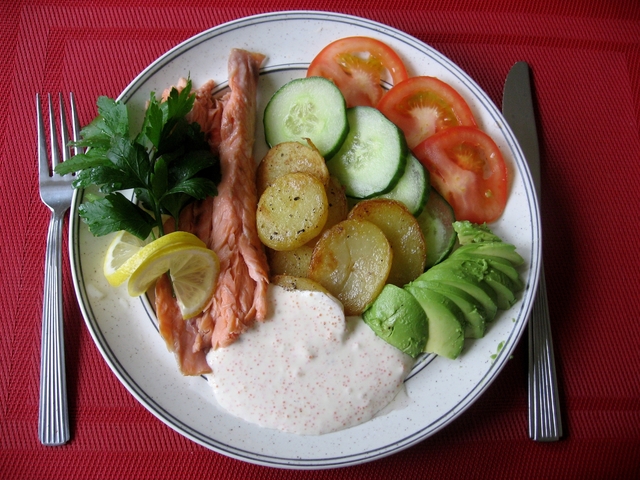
x=545 y=423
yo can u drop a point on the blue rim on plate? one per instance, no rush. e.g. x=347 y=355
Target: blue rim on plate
x=437 y=390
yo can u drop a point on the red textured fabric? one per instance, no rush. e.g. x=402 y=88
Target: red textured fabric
x=585 y=58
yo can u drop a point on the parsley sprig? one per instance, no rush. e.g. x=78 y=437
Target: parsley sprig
x=167 y=164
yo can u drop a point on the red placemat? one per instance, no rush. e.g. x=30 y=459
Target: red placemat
x=585 y=59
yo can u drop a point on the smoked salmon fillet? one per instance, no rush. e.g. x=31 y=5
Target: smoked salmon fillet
x=241 y=291
x=226 y=223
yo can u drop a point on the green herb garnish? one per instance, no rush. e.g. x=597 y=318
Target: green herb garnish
x=167 y=164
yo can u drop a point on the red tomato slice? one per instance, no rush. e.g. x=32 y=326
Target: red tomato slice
x=468 y=170
x=422 y=106
x=357 y=65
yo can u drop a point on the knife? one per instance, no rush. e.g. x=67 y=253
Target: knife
x=545 y=423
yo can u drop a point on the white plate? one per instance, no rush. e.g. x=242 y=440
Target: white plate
x=437 y=391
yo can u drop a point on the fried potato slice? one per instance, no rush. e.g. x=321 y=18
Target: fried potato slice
x=292 y=211
x=290 y=157
x=338 y=206
x=337 y=199
x=352 y=260
x=290 y=262
x=291 y=282
x=403 y=232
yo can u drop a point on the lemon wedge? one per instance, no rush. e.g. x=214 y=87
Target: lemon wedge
x=193 y=270
x=126 y=252
x=122 y=248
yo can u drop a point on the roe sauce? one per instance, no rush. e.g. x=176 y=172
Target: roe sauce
x=307 y=369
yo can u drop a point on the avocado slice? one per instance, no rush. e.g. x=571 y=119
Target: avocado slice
x=446 y=322
x=505 y=267
x=500 y=283
x=479 y=268
x=473 y=311
x=495 y=249
x=509 y=275
x=398 y=318
x=469 y=232
x=456 y=274
x=504 y=295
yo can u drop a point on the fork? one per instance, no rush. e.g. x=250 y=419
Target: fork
x=56 y=192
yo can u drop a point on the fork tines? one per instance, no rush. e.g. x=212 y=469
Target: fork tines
x=56 y=148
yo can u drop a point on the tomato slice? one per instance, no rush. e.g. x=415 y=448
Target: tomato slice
x=422 y=106
x=357 y=65
x=468 y=170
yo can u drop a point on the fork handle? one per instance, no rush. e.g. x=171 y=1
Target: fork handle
x=53 y=421
x=545 y=423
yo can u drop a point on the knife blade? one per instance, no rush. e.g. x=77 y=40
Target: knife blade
x=545 y=423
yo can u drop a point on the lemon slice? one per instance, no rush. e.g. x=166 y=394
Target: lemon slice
x=193 y=271
x=126 y=252
x=122 y=248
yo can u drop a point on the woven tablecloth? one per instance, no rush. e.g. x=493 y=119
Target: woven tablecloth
x=585 y=60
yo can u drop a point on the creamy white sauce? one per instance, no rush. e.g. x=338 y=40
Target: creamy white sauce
x=307 y=369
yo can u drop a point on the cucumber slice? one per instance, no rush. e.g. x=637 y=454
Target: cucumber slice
x=310 y=108
x=413 y=187
x=372 y=158
x=436 y=222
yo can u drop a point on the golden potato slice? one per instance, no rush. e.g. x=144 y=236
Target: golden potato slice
x=403 y=232
x=352 y=260
x=338 y=206
x=290 y=157
x=291 y=282
x=290 y=262
x=291 y=211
